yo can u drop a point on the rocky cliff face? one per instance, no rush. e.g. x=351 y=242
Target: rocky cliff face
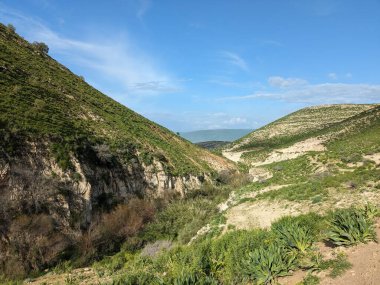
x=32 y=181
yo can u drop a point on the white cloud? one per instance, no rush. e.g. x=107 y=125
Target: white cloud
x=210 y=120
x=325 y=93
x=235 y=121
x=332 y=75
x=278 y=81
x=115 y=59
x=235 y=60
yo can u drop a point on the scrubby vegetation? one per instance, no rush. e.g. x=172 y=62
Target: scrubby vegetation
x=351 y=227
x=236 y=257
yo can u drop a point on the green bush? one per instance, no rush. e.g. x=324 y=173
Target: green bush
x=265 y=264
x=294 y=236
x=192 y=278
x=229 y=251
x=350 y=227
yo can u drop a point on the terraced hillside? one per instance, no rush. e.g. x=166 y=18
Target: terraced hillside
x=69 y=154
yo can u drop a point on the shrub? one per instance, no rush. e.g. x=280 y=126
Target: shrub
x=192 y=278
x=229 y=252
x=34 y=243
x=265 y=264
x=114 y=227
x=11 y=29
x=41 y=47
x=294 y=236
x=350 y=227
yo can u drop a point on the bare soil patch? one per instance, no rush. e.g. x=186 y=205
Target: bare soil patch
x=260 y=214
x=294 y=151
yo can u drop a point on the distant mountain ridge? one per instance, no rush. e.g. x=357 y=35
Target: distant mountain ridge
x=215 y=135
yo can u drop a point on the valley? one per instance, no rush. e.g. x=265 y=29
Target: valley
x=94 y=193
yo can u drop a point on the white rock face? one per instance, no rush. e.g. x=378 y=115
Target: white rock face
x=34 y=176
x=160 y=182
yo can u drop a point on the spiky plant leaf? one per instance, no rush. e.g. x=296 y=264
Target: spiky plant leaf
x=350 y=227
x=294 y=236
x=265 y=264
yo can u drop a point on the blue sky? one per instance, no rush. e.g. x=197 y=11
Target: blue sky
x=205 y=64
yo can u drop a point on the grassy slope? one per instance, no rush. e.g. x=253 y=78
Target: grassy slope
x=42 y=98
x=348 y=142
x=299 y=125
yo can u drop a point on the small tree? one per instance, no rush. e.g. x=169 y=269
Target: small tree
x=11 y=29
x=41 y=47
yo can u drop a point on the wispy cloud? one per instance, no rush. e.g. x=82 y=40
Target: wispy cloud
x=159 y=86
x=281 y=82
x=332 y=76
x=271 y=43
x=325 y=93
x=144 y=6
x=235 y=60
x=116 y=59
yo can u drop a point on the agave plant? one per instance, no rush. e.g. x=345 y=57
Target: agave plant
x=265 y=264
x=294 y=236
x=350 y=227
x=193 y=278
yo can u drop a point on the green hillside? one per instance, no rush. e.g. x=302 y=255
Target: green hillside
x=299 y=125
x=79 y=172
x=42 y=98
